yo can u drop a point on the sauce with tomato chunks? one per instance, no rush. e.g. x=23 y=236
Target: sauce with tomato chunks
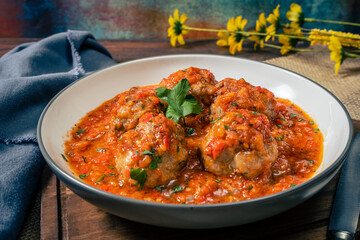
x=194 y=140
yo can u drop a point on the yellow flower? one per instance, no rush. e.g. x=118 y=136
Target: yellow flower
x=274 y=20
x=236 y=39
x=337 y=52
x=318 y=36
x=295 y=15
x=289 y=42
x=224 y=38
x=176 y=29
x=260 y=28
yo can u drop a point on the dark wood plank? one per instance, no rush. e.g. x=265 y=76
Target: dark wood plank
x=49 y=206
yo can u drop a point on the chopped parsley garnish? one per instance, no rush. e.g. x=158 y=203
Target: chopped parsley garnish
x=121 y=137
x=99 y=179
x=251 y=187
x=101 y=150
x=138 y=175
x=294 y=115
x=83 y=158
x=111 y=174
x=216 y=120
x=136 y=152
x=279 y=125
x=112 y=167
x=153 y=165
x=178 y=188
x=311 y=122
x=281 y=118
x=63 y=156
x=239 y=115
x=147 y=152
x=292 y=185
x=160 y=188
x=316 y=129
x=311 y=161
x=279 y=138
x=80 y=131
x=190 y=131
x=158 y=159
x=178 y=148
x=82 y=176
x=179 y=103
x=253 y=112
x=226 y=127
x=245 y=173
x=217 y=180
x=301 y=119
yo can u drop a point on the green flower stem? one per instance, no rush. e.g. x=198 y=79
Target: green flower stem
x=351 y=55
x=295 y=49
x=331 y=21
x=261 y=34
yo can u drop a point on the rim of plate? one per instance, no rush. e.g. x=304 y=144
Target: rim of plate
x=71 y=180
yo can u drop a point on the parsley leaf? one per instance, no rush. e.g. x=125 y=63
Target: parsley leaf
x=138 y=175
x=180 y=104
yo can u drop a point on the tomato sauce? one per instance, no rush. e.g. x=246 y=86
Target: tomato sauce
x=95 y=140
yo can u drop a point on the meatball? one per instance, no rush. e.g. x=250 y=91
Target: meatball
x=202 y=83
x=240 y=142
x=156 y=145
x=132 y=104
x=238 y=94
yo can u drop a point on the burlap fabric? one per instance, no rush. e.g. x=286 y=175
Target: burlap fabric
x=318 y=67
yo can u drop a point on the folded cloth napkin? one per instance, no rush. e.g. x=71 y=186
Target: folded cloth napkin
x=30 y=75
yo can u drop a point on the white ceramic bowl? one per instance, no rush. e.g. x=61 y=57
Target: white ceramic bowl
x=73 y=102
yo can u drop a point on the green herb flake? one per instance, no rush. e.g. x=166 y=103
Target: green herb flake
x=292 y=185
x=216 y=120
x=251 y=187
x=311 y=161
x=301 y=119
x=316 y=129
x=184 y=70
x=160 y=188
x=179 y=103
x=279 y=138
x=178 y=188
x=245 y=173
x=153 y=165
x=138 y=175
x=226 y=127
x=112 y=167
x=190 y=131
x=158 y=159
x=147 y=152
x=136 y=152
x=111 y=174
x=281 y=118
x=102 y=150
x=294 y=115
x=217 y=180
x=239 y=115
x=311 y=122
x=63 y=156
x=80 y=131
x=279 y=125
x=253 y=112
x=121 y=137
x=99 y=179
x=178 y=148
x=82 y=176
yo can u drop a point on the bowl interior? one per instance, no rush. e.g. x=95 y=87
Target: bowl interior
x=84 y=95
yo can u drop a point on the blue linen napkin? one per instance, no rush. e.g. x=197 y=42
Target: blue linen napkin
x=30 y=75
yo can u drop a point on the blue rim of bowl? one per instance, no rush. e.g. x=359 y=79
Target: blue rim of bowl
x=73 y=181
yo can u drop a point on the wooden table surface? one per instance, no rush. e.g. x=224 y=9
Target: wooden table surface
x=64 y=215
